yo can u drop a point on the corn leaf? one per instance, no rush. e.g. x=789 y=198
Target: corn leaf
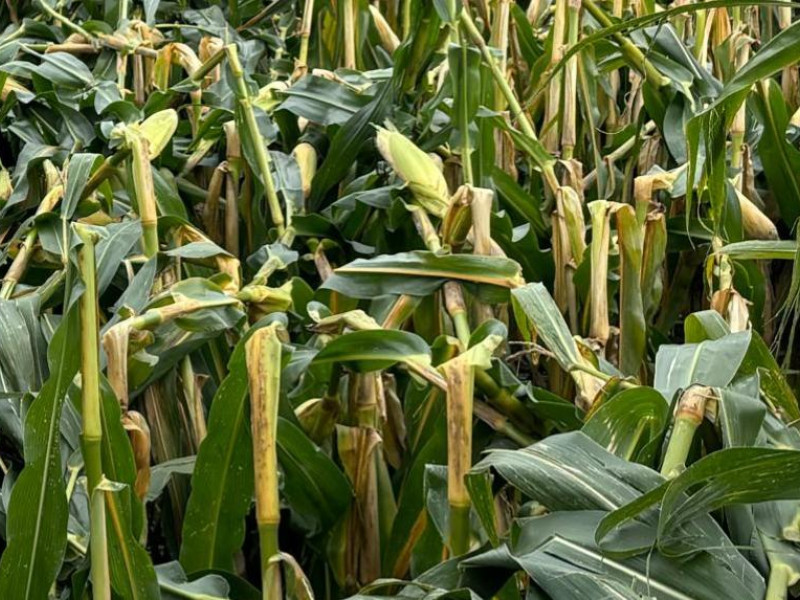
x=420 y=273
x=37 y=514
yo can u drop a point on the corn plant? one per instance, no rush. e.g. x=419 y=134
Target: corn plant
x=349 y=299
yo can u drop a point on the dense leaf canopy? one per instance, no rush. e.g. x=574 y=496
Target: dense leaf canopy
x=480 y=300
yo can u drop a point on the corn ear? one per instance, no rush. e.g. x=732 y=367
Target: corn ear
x=318 y=418
x=158 y=130
x=389 y=39
x=6 y=189
x=264 y=300
x=415 y=167
x=458 y=218
x=306 y=156
x=756 y=225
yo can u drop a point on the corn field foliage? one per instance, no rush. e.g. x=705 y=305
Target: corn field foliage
x=416 y=299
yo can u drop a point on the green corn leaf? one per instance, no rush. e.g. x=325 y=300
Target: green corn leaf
x=711 y=363
x=373 y=350
x=420 y=273
x=37 y=514
x=630 y=423
x=132 y=573
x=213 y=529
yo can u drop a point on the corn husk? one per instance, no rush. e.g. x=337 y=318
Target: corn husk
x=229 y=265
x=421 y=174
x=174 y=54
x=207 y=48
x=264 y=300
x=6 y=188
x=11 y=85
x=317 y=417
x=733 y=307
x=756 y=224
x=269 y=96
x=389 y=39
x=306 y=156
x=158 y=130
x=458 y=219
x=138 y=431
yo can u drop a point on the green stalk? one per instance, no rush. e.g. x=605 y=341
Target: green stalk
x=406 y=19
x=459 y=529
x=553 y=114
x=145 y=193
x=499 y=40
x=500 y=423
x=305 y=33
x=104 y=171
x=619 y=152
x=349 y=33
x=259 y=143
x=628 y=48
x=514 y=105
x=569 y=119
x=90 y=361
x=98 y=548
x=503 y=401
x=401 y=310
x=156 y=316
x=231 y=215
x=263 y=355
x=48 y=289
x=208 y=66
x=738 y=125
x=466 y=150
x=689 y=414
x=779 y=580
x=599 y=328
x=64 y=20
x=457 y=309
x=680 y=442
x=92 y=434
x=700 y=38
